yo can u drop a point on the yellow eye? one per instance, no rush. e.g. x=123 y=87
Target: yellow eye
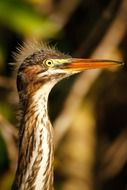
x=49 y=62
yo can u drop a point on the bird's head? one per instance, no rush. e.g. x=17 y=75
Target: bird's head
x=46 y=65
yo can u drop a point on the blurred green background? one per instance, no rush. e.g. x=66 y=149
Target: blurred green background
x=91 y=151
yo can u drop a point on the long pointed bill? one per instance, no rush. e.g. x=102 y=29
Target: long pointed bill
x=84 y=64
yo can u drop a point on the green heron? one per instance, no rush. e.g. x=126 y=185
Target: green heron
x=39 y=69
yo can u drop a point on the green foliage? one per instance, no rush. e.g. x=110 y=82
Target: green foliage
x=23 y=19
x=6 y=110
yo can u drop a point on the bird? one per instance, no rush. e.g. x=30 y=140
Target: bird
x=39 y=67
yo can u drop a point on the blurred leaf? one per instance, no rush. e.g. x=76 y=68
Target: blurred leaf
x=24 y=20
x=7 y=181
x=6 y=110
x=36 y=1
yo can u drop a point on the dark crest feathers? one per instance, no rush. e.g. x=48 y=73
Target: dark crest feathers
x=32 y=47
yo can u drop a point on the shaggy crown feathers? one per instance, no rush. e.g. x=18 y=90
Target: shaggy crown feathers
x=41 y=50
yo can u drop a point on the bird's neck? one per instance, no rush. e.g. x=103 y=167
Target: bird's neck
x=35 y=163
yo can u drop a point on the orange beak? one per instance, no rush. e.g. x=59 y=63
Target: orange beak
x=75 y=64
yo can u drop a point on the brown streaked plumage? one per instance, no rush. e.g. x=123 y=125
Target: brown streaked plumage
x=39 y=69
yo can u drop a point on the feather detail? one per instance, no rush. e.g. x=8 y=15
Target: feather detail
x=30 y=47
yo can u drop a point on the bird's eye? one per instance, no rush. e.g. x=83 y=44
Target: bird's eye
x=49 y=63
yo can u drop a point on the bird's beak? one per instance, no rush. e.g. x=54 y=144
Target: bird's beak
x=78 y=65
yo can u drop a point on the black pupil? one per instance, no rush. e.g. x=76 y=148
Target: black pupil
x=49 y=62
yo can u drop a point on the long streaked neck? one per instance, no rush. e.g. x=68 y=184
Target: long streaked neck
x=35 y=162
